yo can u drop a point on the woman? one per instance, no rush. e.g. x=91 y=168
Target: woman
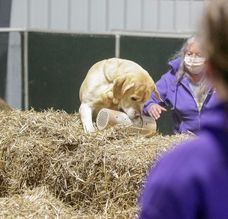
x=184 y=89
x=191 y=182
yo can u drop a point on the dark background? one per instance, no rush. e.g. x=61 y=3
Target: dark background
x=5 y=9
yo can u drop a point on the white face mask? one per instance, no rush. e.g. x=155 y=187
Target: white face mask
x=195 y=65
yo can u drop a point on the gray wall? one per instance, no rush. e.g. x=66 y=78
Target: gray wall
x=103 y=16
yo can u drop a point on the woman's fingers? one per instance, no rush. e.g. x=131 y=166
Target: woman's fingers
x=155 y=111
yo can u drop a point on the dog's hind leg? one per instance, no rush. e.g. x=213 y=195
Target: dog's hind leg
x=85 y=112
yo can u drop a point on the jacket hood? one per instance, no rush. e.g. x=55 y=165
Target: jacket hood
x=175 y=64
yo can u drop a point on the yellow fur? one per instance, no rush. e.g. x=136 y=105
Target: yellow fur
x=117 y=84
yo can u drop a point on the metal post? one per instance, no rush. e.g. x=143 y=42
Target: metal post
x=25 y=73
x=117 y=45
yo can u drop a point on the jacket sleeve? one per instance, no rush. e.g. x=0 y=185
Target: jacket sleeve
x=162 y=87
x=170 y=191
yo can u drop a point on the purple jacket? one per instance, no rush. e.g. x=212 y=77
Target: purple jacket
x=191 y=181
x=178 y=97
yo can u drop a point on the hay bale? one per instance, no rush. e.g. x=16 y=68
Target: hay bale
x=99 y=174
x=37 y=203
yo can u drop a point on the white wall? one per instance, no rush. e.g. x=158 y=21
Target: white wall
x=104 y=16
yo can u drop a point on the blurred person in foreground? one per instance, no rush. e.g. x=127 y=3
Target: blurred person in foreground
x=191 y=181
x=184 y=89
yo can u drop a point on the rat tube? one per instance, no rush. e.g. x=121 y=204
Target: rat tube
x=108 y=117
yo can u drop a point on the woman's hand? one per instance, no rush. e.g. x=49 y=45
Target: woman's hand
x=155 y=110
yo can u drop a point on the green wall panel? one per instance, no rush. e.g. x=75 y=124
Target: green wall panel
x=3 y=62
x=153 y=55
x=58 y=64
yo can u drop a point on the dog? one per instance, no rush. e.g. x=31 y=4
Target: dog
x=117 y=84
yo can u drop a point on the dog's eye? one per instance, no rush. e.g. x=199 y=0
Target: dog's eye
x=134 y=99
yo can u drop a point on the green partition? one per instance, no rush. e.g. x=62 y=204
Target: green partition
x=3 y=62
x=57 y=65
x=153 y=55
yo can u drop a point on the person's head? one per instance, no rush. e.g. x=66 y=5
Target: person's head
x=192 y=58
x=214 y=39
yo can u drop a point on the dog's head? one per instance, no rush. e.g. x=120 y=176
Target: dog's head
x=131 y=91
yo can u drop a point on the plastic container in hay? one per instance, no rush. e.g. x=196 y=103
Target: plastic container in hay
x=108 y=117
x=144 y=125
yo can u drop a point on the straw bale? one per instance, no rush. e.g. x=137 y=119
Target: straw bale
x=37 y=203
x=97 y=174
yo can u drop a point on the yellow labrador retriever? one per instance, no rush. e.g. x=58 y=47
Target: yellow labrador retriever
x=117 y=84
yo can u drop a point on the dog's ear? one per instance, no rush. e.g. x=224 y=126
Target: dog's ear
x=121 y=85
x=128 y=84
x=157 y=94
x=117 y=89
x=117 y=86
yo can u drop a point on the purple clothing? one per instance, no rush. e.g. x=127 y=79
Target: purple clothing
x=179 y=97
x=191 y=181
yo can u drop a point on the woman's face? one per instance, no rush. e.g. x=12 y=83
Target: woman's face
x=194 y=50
x=194 y=60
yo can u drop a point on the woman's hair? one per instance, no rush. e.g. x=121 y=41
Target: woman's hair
x=181 y=53
x=214 y=36
x=204 y=84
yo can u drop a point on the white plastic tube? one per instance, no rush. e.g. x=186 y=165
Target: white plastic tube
x=145 y=125
x=107 y=117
